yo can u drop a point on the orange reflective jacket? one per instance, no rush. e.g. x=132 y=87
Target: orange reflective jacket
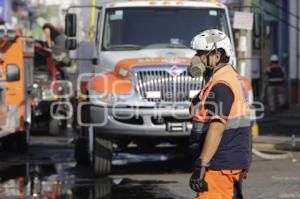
x=240 y=107
x=234 y=149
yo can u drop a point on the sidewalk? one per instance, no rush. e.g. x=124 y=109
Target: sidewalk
x=276 y=130
x=285 y=123
x=276 y=143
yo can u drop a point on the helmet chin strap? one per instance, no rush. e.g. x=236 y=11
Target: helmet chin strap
x=209 y=65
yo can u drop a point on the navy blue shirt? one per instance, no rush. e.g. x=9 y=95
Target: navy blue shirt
x=233 y=151
x=219 y=101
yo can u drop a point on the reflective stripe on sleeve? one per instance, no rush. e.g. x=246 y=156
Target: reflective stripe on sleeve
x=232 y=123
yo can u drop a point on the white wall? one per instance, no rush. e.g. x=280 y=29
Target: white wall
x=293 y=39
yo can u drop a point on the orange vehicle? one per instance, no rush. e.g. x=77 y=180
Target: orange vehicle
x=16 y=62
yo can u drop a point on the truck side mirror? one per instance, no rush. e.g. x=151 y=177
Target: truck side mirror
x=71 y=25
x=71 y=44
x=12 y=72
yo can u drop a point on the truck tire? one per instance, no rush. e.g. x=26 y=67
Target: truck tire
x=103 y=188
x=81 y=154
x=8 y=143
x=53 y=127
x=103 y=152
x=16 y=142
x=21 y=142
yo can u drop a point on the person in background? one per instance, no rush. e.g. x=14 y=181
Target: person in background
x=56 y=41
x=54 y=38
x=275 y=90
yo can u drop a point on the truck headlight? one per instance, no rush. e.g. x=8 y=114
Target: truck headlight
x=107 y=98
x=123 y=72
x=47 y=94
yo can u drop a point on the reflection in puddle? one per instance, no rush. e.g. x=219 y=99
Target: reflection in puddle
x=49 y=182
x=44 y=181
x=50 y=173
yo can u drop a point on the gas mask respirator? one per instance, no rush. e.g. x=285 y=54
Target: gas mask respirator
x=197 y=67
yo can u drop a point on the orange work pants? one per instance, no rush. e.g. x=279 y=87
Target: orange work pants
x=222 y=184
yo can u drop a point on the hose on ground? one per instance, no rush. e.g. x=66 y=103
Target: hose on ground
x=271 y=156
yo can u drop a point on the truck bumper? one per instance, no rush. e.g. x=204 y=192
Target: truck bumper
x=43 y=108
x=138 y=122
x=11 y=122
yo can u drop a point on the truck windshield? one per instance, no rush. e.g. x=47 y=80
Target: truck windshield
x=139 y=28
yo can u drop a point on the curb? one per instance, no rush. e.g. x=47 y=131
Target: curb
x=277 y=146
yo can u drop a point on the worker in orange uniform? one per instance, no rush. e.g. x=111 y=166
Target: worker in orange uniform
x=220 y=139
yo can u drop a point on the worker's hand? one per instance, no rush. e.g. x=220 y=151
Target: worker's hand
x=245 y=173
x=197 y=182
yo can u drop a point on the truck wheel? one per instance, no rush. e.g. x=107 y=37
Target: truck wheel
x=16 y=142
x=8 y=143
x=102 y=156
x=102 y=188
x=63 y=125
x=22 y=142
x=82 y=155
x=53 y=127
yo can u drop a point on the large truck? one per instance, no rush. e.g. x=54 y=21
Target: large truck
x=47 y=89
x=132 y=83
x=16 y=75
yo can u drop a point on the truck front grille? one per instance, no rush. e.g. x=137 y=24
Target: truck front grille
x=170 y=88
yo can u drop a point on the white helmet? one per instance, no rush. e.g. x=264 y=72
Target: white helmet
x=212 y=39
x=41 y=21
x=274 y=58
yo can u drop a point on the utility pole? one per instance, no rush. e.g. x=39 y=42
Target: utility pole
x=92 y=20
x=262 y=81
x=244 y=49
x=297 y=53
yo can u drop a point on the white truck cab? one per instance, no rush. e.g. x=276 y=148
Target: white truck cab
x=139 y=91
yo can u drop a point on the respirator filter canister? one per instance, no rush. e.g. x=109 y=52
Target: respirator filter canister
x=196 y=68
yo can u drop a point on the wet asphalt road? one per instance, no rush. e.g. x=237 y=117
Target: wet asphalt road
x=49 y=170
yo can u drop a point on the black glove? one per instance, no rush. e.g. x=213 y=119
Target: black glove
x=197 y=182
x=245 y=173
